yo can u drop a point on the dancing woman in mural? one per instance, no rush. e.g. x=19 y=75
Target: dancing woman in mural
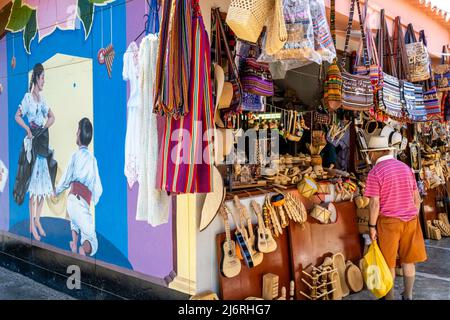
x=84 y=181
x=37 y=169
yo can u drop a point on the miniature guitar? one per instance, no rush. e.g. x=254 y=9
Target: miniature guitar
x=230 y=265
x=251 y=239
x=266 y=243
x=243 y=244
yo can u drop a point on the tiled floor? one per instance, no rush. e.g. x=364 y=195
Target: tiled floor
x=432 y=277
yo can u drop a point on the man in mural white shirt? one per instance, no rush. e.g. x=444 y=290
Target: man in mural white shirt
x=85 y=186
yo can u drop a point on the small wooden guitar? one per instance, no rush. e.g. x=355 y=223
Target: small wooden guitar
x=230 y=265
x=251 y=238
x=241 y=238
x=266 y=243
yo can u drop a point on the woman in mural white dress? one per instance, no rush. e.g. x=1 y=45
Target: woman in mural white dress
x=39 y=116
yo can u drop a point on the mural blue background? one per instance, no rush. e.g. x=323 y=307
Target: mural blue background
x=109 y=120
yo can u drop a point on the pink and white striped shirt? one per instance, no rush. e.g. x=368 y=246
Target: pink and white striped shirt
x=394 y=182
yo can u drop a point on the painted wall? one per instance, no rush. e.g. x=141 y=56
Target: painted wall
x=78 y=86
x=157 y=239
x=4 y=156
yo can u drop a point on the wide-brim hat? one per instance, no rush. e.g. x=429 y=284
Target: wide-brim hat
x=378 y=143
x=394 y=137
x=213 y=200
x=219 y=79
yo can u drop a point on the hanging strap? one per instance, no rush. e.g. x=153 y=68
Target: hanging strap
x=333 y=21
x=384 y=47
x=363 y=36
x=218 y=44
x=444 y=58
x=372 y=51
x=410 y=35
x=223 y=37
x=422 y=37
x=152 y=25
x=400 y=56
x=429 y=84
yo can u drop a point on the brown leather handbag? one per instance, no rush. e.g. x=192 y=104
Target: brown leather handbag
x=357 y=90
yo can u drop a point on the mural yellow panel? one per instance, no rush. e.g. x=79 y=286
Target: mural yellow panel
x=69 y=93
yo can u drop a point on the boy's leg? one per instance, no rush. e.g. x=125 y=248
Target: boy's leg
x=85 y=223
x=73 y=209
x=74 y=242
x=86 y=248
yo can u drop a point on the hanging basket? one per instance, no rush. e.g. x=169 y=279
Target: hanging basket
x=247 y=18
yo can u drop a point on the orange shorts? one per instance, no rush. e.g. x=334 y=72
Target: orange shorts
x=402 y=238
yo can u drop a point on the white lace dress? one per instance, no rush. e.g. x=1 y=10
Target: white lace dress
x=153 y=204
x=37 y=113
x=132 y=139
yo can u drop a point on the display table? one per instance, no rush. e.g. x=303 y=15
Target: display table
x=297 y=248
x=311 y=244
x=249 y=281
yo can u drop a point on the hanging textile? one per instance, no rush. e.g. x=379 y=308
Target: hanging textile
x=174 y=56
x=152 y=25
x=130 y=73
x=153 y=204
x=186 y=149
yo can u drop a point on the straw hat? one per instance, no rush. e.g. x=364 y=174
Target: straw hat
x=213 y=200
x=394 y=137
x=378 y=143
x=58 y=204
x=223 y=143
x=219 y=79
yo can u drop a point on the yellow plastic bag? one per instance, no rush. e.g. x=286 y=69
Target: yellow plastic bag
x=377 y=276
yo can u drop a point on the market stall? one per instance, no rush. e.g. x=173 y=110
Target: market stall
x=293 y=171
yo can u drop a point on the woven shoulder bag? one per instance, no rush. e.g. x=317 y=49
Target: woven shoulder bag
x=389 y=96
x=418 y=58
x=441 y=72
x=357 y=90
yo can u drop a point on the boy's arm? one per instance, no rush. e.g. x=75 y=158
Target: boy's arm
x=97 y=187
x=66 y=179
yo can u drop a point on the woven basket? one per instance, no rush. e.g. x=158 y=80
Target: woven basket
x=445 y=230
x=247 y=17
x=276 y=30
x=443 y=217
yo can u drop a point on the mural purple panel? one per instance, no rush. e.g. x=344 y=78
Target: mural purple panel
x=149 y=248
x=4 y=198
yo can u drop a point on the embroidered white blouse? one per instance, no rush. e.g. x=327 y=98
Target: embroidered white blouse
x=36 y=112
